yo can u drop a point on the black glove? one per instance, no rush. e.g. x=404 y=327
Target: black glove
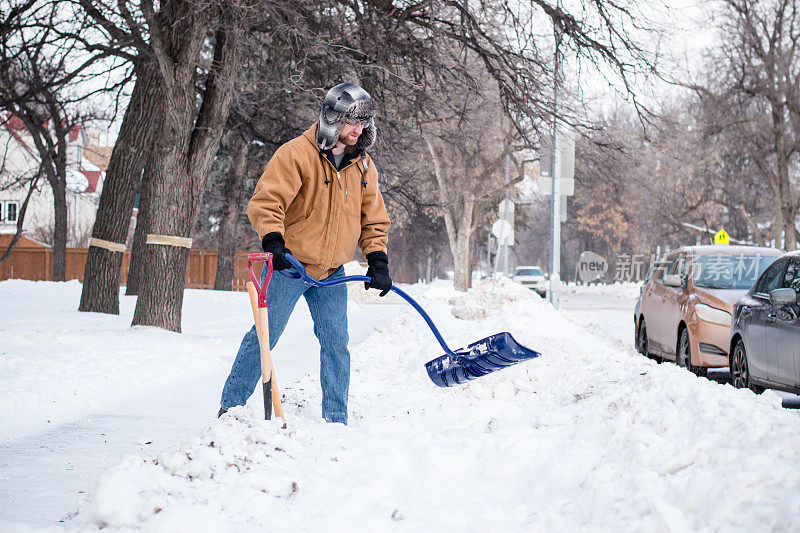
x=273 y=243
x=379 y=272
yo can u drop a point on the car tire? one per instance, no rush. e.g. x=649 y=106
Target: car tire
x=740 y=369
x=642 y=340
x=684 y=355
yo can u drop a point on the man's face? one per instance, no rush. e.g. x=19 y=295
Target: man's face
x=351 y=131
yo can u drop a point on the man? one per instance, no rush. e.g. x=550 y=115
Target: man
x=317 y=199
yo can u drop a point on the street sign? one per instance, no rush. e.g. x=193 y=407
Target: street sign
x=567 y=150
x=507 y=214
x=722 y=237
x=501 y=229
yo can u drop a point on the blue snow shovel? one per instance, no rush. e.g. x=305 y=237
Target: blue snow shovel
x=454 y=367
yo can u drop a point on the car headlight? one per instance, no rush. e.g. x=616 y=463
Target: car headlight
x=713 y=315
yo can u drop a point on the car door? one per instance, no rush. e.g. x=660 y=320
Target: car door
x=756 y=335
x=783 y=332
x=653 y=304
x=673 y=300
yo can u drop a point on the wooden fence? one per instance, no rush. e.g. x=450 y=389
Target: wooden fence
x=36 y=263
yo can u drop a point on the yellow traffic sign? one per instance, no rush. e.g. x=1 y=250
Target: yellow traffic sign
x=722 y=237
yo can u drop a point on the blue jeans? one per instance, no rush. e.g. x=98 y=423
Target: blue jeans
x=328 y=306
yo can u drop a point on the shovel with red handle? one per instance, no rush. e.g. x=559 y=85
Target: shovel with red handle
x=258 y=301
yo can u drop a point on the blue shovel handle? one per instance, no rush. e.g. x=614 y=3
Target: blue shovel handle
x=301 y=274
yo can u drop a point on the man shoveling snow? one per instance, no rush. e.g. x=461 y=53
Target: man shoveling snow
x=317 y=199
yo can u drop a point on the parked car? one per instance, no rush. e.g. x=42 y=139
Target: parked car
x=531 y=277
x=684 y=310
x=765 y=334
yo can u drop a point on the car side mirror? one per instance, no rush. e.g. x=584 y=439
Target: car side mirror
x=672 y=280
x=783 y=297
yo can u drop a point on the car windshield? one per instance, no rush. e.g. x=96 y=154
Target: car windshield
x=735 y=272
x=534 y=271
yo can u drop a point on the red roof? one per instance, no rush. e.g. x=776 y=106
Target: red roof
x=94 y=177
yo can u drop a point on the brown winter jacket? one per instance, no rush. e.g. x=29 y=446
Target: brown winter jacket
x=321 y=223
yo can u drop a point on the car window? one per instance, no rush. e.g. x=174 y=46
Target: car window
x=791 y=278
x=771 y=279
x=725 y=271
x=532 y=271
x=664 y=267
x=679 y=267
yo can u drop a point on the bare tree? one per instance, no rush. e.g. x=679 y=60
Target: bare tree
x=40 y=77
x=755 y=79
x=131 y=152
x=187 y=140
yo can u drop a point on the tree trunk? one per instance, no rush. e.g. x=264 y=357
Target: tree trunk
x=457 y=218
x=234 y=182
x=142 y=228
x=461 y=247
x=164 y=267
x=184 y=150
x=131 y=151
x=777 y=224
x=59 y=189
x=460 y=251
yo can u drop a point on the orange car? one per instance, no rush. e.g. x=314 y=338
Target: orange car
x=684 y=309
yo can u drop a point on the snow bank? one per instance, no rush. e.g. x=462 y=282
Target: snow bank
x=588 y=436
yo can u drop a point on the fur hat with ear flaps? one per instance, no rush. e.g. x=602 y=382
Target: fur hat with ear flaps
x=346 y=101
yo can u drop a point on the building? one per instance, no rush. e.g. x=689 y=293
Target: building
x=19 y=160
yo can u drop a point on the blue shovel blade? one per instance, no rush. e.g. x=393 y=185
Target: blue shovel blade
x=478 y=359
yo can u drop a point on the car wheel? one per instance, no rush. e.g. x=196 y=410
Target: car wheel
x=740 y=370
x=684 y=356
x=642 y=341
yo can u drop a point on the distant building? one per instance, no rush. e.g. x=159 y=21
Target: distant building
x=19 y=159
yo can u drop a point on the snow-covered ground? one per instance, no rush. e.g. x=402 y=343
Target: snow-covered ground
x=589 y=436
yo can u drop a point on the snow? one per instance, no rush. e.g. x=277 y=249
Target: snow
x=588 y=436
x=618 y=289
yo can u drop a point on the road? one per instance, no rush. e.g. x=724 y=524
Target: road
x=611 y=314
x=614 y=316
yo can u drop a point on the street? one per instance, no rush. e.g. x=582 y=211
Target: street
x=614 y=317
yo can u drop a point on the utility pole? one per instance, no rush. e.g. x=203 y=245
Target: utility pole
x=508 y=180
x=555 y=198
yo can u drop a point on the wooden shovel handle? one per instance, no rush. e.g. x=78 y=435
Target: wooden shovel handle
x=262 y=330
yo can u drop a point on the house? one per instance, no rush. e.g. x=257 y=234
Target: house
x=19 y=160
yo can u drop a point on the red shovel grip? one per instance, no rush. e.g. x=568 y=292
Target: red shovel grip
x=261 y=289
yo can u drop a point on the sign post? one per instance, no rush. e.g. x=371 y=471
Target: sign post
x=501 y=229
x=507 y=214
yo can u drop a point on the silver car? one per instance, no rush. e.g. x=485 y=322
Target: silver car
x=531 y=277
x=765 y=332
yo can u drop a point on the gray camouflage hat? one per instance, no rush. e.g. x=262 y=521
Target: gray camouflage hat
x=346 y=101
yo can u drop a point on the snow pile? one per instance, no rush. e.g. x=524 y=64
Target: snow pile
x=488 y=296
x=587 y=436
x=627 y=289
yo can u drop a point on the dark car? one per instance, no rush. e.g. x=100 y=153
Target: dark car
x=765 y=330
